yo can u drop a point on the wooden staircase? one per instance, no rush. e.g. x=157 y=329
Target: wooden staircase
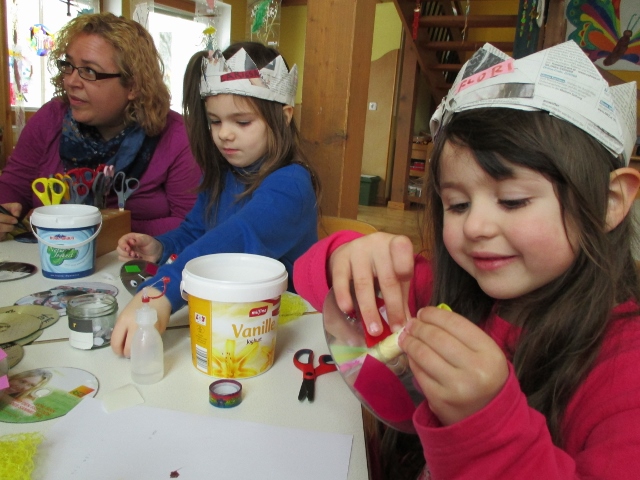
x=448 y=32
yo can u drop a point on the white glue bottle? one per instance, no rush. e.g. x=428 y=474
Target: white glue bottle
x=147 y=353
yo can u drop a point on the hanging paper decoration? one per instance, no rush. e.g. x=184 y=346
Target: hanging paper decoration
x=207 y=13
x=41 y=39
x=209 y=40
x=263 y=22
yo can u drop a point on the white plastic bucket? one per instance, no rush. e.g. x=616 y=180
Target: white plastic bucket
x=66 y=239
x=234 y=304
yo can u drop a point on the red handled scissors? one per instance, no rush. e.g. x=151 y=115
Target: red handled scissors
x=309 y=373
x=82 y=175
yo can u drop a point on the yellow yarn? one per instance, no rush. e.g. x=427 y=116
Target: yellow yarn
x=17 y=452
x=291 y=307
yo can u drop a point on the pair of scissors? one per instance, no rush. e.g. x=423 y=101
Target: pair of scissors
x=66 y=179
x=50 y=191
x=82 y=175
x=124 y=187
x=79 y=193
x=309 y=373
x=101 y=186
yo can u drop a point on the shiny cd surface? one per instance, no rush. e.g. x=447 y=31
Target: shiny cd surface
x=15 y=271
x=14 y=326
x=47 y=315
x=385 y=387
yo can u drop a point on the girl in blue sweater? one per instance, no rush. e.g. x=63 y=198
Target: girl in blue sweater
x=258 y=193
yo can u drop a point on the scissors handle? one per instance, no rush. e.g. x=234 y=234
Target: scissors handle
x=308 y=372
x=327 y=364
x=50 y=191
x=124 y=187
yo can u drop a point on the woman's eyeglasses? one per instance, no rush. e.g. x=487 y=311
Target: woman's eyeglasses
x=85 y=72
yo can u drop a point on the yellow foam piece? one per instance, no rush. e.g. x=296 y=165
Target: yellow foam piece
x=291 y=307
x=17 y=452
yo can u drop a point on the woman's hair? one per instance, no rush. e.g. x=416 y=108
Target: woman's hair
x=137 y=59
x=283 y=143
x=564 y=322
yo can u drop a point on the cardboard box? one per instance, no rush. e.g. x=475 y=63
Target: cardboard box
x=115 y=223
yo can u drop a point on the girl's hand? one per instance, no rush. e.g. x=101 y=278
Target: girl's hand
x=7 y=222
x=126 y=324
x=139 y=245
x=459 y=367
x=382 y=256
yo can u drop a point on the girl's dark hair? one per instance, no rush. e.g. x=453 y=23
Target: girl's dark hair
x=564 y=322
x=283 y=145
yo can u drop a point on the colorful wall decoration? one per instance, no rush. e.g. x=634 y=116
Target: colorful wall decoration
x=606 y=30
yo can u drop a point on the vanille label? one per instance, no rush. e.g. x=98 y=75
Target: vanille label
x=245 y=332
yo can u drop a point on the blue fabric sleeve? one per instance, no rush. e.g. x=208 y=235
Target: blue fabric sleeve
x=278 y=221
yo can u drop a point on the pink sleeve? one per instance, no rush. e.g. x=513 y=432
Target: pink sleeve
x=506 y=439
x=310 y=270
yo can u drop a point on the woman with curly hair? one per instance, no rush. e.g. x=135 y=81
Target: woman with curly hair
x=110 y=107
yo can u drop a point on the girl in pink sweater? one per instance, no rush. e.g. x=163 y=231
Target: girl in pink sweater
x=535 y=373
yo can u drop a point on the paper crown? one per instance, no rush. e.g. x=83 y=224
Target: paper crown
x=560 y=80
x=240 y=76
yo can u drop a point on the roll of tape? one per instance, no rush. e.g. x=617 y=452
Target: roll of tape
x=225 y=393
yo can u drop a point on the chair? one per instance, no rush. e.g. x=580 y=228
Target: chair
x=328 y=225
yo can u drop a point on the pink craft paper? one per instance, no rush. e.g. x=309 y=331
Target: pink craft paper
x=383 y=392
x=4 y=379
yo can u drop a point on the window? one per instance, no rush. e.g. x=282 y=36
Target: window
x=30 y=24
x=178 y=36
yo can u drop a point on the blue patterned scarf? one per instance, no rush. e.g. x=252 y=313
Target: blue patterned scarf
x=82 y=146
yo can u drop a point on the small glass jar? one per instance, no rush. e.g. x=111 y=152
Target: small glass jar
x=92 y=317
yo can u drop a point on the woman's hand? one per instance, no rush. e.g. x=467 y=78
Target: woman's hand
x=126 y=324
x=382 y=256
x=139 y=245
x=459 y=368
x=8 y=222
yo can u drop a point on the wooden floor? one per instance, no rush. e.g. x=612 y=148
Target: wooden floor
x=401 y=222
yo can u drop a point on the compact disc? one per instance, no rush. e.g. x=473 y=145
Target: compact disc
x=14 y=353
x=45 y=393
x=47 y=315
x=57 y=297
x=134 y=272
x=29 y=338
x=386 y=388
x=25 y=237
x=14 y=326
x=15 y=270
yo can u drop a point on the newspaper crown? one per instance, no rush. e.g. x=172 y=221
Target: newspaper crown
x=240 y=76
x=560 y=80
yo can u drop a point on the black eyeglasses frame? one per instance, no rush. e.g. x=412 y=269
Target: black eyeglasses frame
x=82 y=71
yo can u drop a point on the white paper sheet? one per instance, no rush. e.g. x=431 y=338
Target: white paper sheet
x=149 y=443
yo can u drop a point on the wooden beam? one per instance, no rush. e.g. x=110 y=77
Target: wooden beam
x=461 y=46
x=186 y=5
x=334 y=91
x=404 y=125
x=461 y=21
x=555 y=27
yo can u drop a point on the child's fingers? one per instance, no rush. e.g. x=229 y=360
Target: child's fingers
x=394 y=282
x=458 y=366
x=118 y=337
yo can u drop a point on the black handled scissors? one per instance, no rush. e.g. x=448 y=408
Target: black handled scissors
x=309 y=373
